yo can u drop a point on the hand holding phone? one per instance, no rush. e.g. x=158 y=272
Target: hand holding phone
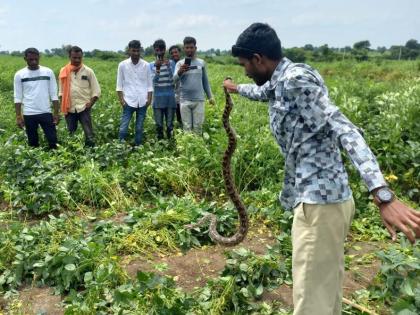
x=188 y=61
x=158 y=62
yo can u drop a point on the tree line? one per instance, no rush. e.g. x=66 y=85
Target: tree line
x=360 y=51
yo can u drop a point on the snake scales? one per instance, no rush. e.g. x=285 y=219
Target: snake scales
x=230 y=188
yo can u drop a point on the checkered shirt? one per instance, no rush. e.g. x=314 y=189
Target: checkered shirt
x=310 y=131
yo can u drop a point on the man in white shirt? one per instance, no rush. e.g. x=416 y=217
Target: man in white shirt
x=134 y=88
x=34 y=87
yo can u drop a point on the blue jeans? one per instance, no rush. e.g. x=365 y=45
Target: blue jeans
x=125 y=121
x=164 y=113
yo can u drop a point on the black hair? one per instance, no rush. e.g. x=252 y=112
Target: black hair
x=174 y=47
x=258 y=38
x=190 y=40
x=75 y=49
x=31 y=50
x=159 y=43
x=134 y=44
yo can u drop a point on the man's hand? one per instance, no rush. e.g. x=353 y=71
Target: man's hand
x=212 y=101
x=230 y=86
x=20 y=122
x=183 y=68
x=397 y=216
x=122 y=102
x=56 y=119
x=88 y=105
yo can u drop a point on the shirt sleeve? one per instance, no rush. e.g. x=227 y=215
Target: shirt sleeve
x=153 y=74
x=17 y=89
x=176 y=76
x=53 y=87
x=60 y=87
x=149 y=80
x=120 y=78
x=206 y=83
x=253 y=91
x=94 y=85
x=311 y=99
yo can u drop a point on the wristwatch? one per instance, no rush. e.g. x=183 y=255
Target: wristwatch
x=383 y=195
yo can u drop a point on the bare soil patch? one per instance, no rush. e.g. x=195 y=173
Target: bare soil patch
x=197 y=266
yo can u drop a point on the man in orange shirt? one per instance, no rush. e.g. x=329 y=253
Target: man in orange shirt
x=78 y=91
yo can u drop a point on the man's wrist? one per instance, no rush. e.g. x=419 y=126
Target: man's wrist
x=382 y=195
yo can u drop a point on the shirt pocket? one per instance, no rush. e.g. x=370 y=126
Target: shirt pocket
x=84 y=82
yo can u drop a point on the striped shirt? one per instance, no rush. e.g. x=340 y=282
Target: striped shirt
x=34 y=89
x=310 y=131
x=163 y=85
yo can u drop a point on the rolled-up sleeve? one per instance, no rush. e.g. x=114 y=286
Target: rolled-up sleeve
x=94 y=84
x=120 y=78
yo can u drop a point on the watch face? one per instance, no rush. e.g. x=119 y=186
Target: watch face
x=384 y=195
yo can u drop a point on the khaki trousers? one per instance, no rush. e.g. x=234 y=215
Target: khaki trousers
x=192 y=113
x=318 y=235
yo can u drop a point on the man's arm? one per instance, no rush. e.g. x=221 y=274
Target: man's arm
x=121 y=97
x=18 y=97
x=317 y=112
x=149 y=87
x=54 y=98
x=206 y=85
x=176 y=76
x=180 y=70
x=19 y=118
x=251 y=91
x=56 y=112
x=120 y=83
x=149 y=98
x=95 y=90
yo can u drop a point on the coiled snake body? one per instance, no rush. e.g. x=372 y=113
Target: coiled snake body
x=230 y=188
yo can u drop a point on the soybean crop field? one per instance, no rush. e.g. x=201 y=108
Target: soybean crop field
x=101 y=230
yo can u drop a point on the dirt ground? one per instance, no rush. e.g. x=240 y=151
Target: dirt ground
x=194 y=268
x=35 y=301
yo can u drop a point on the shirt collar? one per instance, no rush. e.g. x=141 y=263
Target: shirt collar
x=278 y=72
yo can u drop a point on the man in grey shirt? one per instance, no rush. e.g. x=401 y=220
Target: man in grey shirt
x=191 y=74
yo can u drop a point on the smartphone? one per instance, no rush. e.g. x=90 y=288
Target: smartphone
x=188 y=61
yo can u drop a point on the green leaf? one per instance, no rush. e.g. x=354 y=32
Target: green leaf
x=243 y=267
x=28 y=237
x=245 y=292
x=406 y=288
x=70 y=267
x=88 y=277
x=259 y=290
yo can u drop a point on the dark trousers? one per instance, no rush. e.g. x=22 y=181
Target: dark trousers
x=85 y=120
x=46 y=123
x=161 y=114
x=178 y=115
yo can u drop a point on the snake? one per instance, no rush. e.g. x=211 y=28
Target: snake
x=230 y=186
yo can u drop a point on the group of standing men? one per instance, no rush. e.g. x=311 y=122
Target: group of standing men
x=173 y=87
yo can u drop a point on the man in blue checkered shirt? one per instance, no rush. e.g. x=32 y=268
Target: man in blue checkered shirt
x=310 y=131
